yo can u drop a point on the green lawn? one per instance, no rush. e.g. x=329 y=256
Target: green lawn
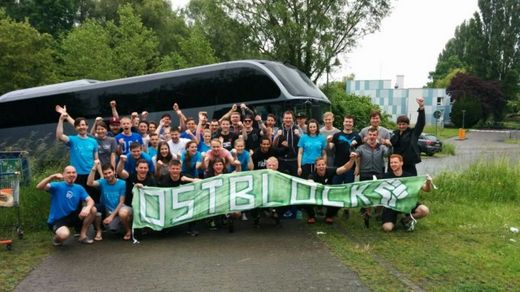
x=24 y=256
x=442 y=133
x=465 y=244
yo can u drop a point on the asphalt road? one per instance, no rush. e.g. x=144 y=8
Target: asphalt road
x=479 y=146
x=271 y=258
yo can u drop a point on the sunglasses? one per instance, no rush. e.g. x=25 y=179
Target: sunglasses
x=247 y=121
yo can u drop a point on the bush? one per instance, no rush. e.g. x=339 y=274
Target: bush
x=472 y=115
x=448 y=149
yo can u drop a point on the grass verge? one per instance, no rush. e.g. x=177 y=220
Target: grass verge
x=442 y=133
x=24 y=256
x=465 y=244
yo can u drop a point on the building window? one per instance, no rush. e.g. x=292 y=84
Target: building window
x=439 y=100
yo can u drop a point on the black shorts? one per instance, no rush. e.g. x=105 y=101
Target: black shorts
x=71 y=220
x=390 y=216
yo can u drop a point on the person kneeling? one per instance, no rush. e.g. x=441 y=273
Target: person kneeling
x=389 y=216
x=66 y=196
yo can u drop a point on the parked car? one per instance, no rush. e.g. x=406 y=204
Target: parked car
x=429 y=144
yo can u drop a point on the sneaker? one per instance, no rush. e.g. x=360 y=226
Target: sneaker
x=409 y=223
x=311 y=220
x=276 y=217
x=212 y=225
x=56 y=243
x=288 y=214
x=192 y=233
x=244 y=217
x=329 y=220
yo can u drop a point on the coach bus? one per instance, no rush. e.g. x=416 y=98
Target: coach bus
x=266 y=86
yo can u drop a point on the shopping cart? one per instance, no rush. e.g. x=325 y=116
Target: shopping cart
x=10 y=198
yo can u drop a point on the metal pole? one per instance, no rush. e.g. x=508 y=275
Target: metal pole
x=463 y=114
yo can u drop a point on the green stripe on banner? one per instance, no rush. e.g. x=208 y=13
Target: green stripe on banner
x=160 y=208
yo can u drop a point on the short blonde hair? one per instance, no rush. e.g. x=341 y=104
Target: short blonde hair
x=328 y=114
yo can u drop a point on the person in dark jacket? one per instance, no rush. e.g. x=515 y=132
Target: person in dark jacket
x=404 y=140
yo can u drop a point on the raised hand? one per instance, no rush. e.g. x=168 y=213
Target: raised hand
x=61 y=110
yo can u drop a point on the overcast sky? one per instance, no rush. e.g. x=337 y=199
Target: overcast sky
x=408 y=43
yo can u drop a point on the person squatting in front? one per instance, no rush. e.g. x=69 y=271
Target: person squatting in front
x=66 y=196
x=111 y=210
x=389 y=216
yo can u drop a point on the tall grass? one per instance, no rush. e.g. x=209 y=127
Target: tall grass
x=484 y=181
x=448 y=149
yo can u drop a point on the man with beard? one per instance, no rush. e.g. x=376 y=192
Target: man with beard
x=112 y=210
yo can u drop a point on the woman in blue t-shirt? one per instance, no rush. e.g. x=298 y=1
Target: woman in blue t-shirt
x=191 y=160
x=310 y=147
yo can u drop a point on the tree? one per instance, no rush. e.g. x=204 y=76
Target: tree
x=349 y=104
x=225 y=34
x=86 y=53
x=27 y=55
x=157 y=15
x=307 y=34
x=135 y=46
x=49 y=16
x=467 y=89
x=486 y=46
x=194 y=51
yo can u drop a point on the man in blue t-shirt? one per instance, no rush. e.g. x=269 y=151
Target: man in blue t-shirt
x=127 y=137
x=112 y=209
x=83 y=149
x=136 y=154
x=65 y=199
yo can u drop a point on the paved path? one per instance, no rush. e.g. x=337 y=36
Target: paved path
x=265 y=259
x=479 y=146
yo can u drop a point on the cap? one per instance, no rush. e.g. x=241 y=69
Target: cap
x=301 y=115
x=114 y=121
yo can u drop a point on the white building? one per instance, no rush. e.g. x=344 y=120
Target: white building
x=396 y=100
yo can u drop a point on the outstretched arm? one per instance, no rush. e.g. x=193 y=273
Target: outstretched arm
x=347 y=166
x=181 y=116
x=91 y=176
x=421 y=117
x=228 y=114
x=113 y=107
x=59 y=129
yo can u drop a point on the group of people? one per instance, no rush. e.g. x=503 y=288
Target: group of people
x=107 y=161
